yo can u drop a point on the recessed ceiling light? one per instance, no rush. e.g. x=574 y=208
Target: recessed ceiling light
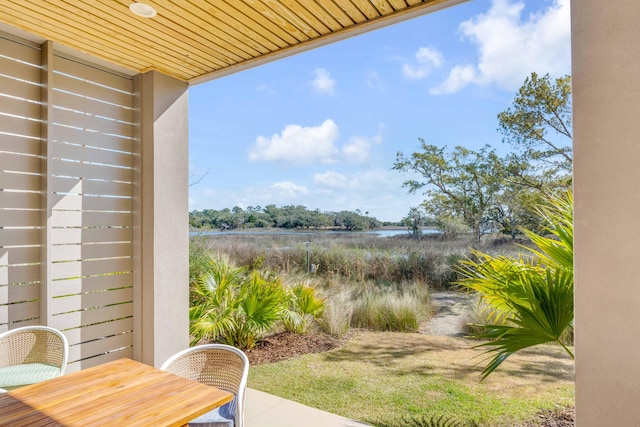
x=142 y=9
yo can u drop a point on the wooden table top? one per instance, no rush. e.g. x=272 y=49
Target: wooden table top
x=119 y=393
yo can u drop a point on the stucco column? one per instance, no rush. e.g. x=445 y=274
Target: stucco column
x=161 y=296
x=606 y=109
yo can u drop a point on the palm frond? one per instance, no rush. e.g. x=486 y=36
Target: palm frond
x=440 y=421
x=535 y=295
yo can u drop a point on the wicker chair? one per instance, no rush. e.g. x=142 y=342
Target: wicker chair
x=31 y=354
x=218 y=365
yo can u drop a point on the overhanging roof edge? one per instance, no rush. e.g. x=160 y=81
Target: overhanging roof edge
x=355 y=30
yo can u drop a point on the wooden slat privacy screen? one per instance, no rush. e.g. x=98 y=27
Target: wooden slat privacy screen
x=66 y=172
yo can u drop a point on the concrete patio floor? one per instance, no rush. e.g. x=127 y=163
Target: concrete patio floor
x=266 y=410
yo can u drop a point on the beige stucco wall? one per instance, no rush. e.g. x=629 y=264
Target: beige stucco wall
x=161 y=204
x=606 y=85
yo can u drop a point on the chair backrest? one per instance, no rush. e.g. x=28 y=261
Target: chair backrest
x=218 y=365
x=34 y=344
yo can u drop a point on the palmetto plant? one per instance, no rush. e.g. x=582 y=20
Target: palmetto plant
x=233 y=306
x=440 y=421
x=304 y=307
x=530 y=297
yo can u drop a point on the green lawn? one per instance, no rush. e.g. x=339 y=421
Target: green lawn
x=380 y=377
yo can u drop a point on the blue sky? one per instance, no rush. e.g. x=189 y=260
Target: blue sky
x=322 y=128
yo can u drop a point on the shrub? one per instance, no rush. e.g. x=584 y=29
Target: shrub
x=304 y=307
x=234 y=307
x=238 y=306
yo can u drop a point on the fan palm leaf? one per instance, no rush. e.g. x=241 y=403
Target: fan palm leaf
x=533 y=294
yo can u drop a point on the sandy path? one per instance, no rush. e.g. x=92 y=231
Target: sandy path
x=449 y=313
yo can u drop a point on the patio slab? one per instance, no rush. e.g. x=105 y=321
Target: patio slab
x=266 y=410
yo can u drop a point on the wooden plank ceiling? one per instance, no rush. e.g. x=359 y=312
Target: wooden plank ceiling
x=197 y=40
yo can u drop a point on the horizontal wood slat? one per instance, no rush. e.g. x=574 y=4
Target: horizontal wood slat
x=63 y=270
x=19 y=218
x=90 y=235
x=19 y=237
x=91 y=219
x=15 y=293
x=14 y=199
x=16 y=313
x=19 y=163
x=91 y=203
x=101 y=346
x=93 y=107
x=90 y=317
x=30 y=55
x=91 y=187
x=91 y=284
x=21 y=274
x=86 y=301
x=104 y=94
x=14 y=88
x=92 y=139
x=19 y=107
x=92 y=123
x=12 y=256
x=88 y=252
x=91 y=74
x=83 y=170
x=19 y=145
x=93 y=155
x=18 y=71
x=75 y=365
x=88 y=333
x=20 y=126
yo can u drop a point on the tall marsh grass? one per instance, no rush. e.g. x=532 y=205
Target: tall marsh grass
x=397 y=310
x=355 y=257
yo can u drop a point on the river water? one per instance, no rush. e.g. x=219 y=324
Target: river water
x=379 y=233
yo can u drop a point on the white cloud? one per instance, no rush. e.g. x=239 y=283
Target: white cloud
x=290 y=189
x=298 y=145
x=459 y=77
x=427 y=58
x=315 y=144
x=322 y=82
x=511 y=46
x=209 y=192
x=369 y=180
x=331 y=180
x=358 y=148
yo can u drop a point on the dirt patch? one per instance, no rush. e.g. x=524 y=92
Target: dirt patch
x=284 y=345
x=564 y=417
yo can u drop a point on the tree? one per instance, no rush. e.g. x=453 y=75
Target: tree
x=414 y=220
x=530 y=298
x=461 y=183
x=538 y=125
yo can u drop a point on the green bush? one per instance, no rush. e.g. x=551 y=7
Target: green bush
x=235 y=307
x=305 y=306
x=238 y=306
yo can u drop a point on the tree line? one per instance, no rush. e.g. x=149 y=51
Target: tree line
x=484 y=192
x=295 y=217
